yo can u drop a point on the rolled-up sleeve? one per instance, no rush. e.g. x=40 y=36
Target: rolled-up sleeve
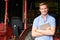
x=35 y=23
x=53 y=22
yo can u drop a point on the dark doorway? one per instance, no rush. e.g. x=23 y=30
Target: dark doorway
x=15 y=8
x=2 y=10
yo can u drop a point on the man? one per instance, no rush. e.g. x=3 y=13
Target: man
x=44 y=18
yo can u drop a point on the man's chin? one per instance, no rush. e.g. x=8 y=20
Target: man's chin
x=44 y=14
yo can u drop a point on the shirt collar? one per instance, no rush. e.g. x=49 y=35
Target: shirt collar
x=46 y=17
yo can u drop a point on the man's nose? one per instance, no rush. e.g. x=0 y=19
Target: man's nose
x=43 y=9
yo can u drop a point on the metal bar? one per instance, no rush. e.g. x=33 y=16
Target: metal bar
x=6 y=18
x=6 y=12
x=25 y=14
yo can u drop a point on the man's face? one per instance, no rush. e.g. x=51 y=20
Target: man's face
x=43 y=9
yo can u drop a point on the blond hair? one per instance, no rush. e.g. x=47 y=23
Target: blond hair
x=43 y=3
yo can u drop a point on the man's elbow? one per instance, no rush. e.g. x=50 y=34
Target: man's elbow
x=52 y=33
x=33 y=35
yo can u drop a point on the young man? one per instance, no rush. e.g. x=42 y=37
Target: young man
x=44 y=18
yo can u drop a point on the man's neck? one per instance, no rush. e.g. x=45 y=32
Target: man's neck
x=44 y=17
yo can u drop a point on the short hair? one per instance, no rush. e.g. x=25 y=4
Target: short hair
x=43 y=3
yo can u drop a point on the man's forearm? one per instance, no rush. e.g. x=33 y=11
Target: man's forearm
x=36 y=33
x=46 y=32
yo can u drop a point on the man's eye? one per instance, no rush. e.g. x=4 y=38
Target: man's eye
x=45 y=8
x=42 y=9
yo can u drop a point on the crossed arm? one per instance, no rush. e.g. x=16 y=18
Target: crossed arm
x=36 y=32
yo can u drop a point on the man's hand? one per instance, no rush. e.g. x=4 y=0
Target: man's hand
x=48 y=28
